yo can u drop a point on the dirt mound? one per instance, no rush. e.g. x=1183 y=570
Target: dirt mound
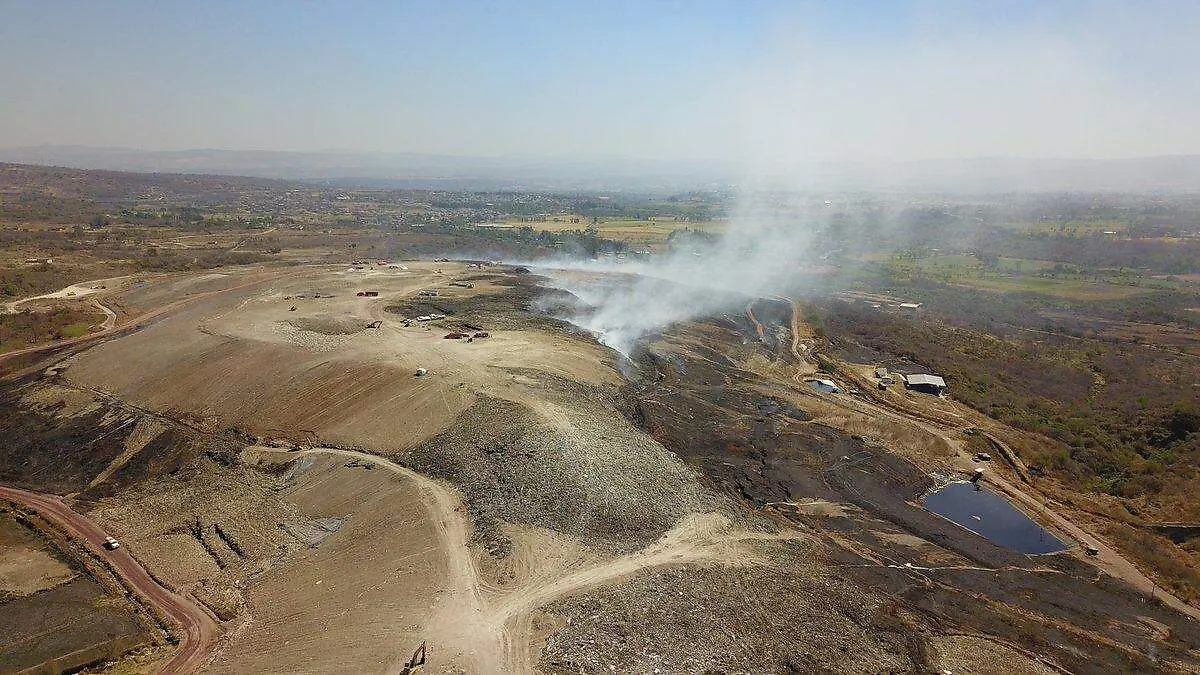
x=572 y=470
x=329 y=324
x=521 y=305
x=701 y=620
x=412 y=308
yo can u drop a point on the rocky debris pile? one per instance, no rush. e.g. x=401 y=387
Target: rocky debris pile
x=735 y=620
x=329 y=324
x=316 y=341
x=313 y=532
x=585 y=473
x=522 y=305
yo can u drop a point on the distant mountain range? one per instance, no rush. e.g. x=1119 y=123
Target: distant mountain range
x=1174 y=173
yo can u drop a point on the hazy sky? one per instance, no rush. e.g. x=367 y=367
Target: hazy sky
x=790 y=81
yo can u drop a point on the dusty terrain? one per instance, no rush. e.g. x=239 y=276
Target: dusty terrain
x=54 y=608
x=26 y=564
x=259 y=440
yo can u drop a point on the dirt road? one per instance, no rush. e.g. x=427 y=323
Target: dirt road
x=110 y=317
x=110 y=326
x=1107 y=559
x=78 y=290
x=494 y=625
x=461 y=621
x=198 y=631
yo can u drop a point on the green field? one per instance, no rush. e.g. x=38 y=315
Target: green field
x=1018 y=275
x=1070 y=289
x=629 y=231
x=1079 y=226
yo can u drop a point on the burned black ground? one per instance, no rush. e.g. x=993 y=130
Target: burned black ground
x=698 y=403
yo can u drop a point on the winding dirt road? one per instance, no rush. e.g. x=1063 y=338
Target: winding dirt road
x=198 y=631
x=494 y=624
x=74 y=291
x=110 y=326
x=110 y=317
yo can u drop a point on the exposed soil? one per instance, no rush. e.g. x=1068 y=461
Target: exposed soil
x=58 y=609
x=27 y=564
x=806 y=621
x=718 y=420
x=572 y=469
x=60 y=621
x=330 y=324
x=521 y=505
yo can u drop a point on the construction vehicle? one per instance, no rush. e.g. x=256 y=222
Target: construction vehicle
x=417 y=661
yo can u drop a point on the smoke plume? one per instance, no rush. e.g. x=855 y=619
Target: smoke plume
x=761 y=253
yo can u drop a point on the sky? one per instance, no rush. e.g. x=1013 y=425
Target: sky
x=767 y=82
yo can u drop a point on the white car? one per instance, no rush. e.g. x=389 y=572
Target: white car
x=111 y=544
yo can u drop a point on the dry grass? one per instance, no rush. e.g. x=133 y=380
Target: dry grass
x=1175 y=567
x=26 y=328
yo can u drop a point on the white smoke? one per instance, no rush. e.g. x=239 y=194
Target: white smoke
x=759 y=254
x=1036 y=89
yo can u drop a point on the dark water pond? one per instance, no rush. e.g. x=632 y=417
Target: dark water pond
x=992 y=517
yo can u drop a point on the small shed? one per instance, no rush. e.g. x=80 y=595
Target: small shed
x=929 y=384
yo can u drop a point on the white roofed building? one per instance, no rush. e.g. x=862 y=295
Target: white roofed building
x=930 y=384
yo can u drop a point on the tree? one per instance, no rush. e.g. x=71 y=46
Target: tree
x=989 y=259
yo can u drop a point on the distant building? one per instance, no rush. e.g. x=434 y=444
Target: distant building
x=825 y=386
x=929 y=384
